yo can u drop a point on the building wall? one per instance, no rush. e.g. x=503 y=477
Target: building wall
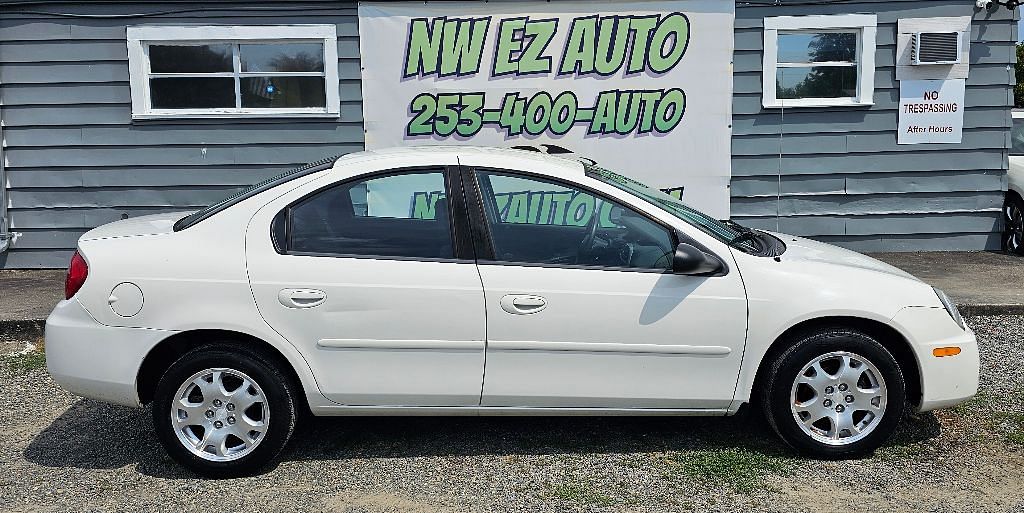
x=75 y=160
x=837 y=174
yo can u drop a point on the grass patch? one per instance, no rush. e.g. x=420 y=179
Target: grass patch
x=981 y=401
x=740 y=468
x=989 y=410
x=903 y=451
x=27 y=361
x=581 y=492
x=1010 y=426
x=917 y=436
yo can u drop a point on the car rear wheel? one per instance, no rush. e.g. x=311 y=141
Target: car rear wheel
x=835 y=393
x=224 y=410
x=1013 y=217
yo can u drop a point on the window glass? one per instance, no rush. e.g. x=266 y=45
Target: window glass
x=816 y=82
x=190 y=59
x=263 y=58
x=724 y=231
x=544 y=222
x=192 y=92
x=279 y=75
x=283 y=92
x=401 y=215
x=1017 y=137
x=814 y=64
x=804 y=47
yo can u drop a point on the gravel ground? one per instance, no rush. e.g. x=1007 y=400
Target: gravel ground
x=62 y=453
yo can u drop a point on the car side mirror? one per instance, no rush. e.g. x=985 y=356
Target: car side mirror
x=692 y=261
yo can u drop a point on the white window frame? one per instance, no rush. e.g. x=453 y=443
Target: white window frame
x=141 y=37
x=866 y=27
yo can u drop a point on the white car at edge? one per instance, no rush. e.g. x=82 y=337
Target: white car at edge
x=476 y=281
x=1013 y=207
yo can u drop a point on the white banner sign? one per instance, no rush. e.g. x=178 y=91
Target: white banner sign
x=931 y=111
x=643 y=88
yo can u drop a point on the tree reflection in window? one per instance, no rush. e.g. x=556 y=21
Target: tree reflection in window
x=816 y=65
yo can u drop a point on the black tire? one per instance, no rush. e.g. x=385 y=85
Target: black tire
x=776 y=394
x=278 y=389
x=1013 y=219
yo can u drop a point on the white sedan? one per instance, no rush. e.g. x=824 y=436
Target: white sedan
x=476 y=281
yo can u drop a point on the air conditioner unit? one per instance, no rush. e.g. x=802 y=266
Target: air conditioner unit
x=936 y=48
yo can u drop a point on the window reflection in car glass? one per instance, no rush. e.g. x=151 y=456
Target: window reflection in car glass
x=518 y=202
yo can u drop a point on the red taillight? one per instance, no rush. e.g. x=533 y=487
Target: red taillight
x=78 y=271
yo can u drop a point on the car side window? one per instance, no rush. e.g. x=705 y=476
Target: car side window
x=1017 y=137
x=395 y=215
x=538 y=221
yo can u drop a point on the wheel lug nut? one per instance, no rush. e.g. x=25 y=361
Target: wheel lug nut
x=230 y=406
x=840 y=408
x=209 y=414
x=218 y=424
x=827 y=403
x=231 y=420
x=849 y=398
x=829 y=389
x=842 y=387
x=217 y=402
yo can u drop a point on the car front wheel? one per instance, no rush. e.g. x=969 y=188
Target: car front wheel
x=224 y=410
x=835 y=393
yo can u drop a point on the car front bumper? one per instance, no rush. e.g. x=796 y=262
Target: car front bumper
x=93 y=360
x=948 y=380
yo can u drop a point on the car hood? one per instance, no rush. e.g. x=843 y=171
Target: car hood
x=144 y=225
x=799 y=249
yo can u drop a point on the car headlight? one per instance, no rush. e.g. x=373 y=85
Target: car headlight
x=950 y=307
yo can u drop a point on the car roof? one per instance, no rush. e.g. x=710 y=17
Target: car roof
x=568 y=164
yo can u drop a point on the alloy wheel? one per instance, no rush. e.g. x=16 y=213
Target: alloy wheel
x=838 y=398
x=220 y=414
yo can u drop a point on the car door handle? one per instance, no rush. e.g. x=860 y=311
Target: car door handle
x=301 y=298
x=523 y=304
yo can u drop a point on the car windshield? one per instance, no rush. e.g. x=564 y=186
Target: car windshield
x=1017 y=135
x=725 y=231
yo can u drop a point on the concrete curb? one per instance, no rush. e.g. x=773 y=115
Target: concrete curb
x=31 y=329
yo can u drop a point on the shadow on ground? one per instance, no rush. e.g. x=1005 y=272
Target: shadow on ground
x=94 y=435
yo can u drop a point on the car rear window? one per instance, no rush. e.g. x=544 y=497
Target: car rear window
x=253 y=190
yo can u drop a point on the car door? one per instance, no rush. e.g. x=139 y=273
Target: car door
x=366 y=278
x=583 y=310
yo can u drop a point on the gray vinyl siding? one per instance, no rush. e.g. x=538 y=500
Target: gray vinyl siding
x=74 y=159
x=837 y=174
